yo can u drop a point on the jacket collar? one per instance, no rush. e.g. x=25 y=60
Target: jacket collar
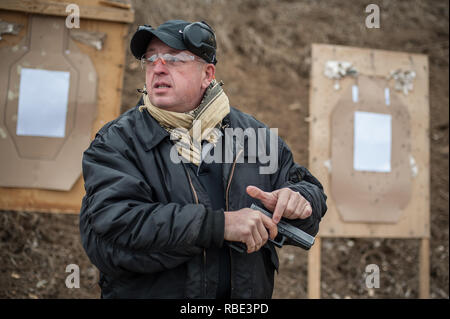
x=148 y=130
x=150 y=133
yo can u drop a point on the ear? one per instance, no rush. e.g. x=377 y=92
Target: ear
x=209 y=72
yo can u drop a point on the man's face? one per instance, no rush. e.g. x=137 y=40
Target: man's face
x=177 y=88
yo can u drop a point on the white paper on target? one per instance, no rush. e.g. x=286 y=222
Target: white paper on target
x=372 y=142
x=43 y=100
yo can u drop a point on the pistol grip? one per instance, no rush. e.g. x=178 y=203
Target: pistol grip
x=239 y=247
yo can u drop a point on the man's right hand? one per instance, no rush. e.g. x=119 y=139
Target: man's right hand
x=249 y=227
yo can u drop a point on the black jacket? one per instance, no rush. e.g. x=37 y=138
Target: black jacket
x=147 y=223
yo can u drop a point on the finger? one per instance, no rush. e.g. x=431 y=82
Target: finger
x=270 y=225
x=263 y=233
x=303 y=210
x=282 y=201
x=268 y=199
x=250 y=242
x=257 y=238
x=298 y=210
x=292 y=206
x=307 y=211
x=257 y=193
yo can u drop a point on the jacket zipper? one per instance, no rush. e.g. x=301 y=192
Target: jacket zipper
x=227 y=207
x=231 y=177
x=204 y=250
x=192 y=187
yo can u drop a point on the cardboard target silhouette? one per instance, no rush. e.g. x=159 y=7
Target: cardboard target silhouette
x=40 y=161
x=368 y=196
x=386 y=204
x=38 y=171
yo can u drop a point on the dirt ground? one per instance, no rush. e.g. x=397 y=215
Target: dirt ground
x=264 y=59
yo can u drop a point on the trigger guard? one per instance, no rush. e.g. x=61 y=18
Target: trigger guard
x=280 y=243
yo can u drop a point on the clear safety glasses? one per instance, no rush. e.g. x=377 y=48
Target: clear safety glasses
x=149 y=60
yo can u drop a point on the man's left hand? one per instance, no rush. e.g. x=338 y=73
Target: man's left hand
x=282 y=202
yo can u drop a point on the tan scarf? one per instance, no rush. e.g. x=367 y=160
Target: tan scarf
x=191 y=128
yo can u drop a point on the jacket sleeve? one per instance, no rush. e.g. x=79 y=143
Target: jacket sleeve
x=122 y=228
x=299 y=179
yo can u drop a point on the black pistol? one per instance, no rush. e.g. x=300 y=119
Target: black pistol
x=296 y=236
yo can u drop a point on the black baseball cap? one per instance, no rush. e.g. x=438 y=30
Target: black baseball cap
x=171 y=33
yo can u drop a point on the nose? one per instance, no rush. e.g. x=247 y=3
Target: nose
x=159 y=66
x=159 y=59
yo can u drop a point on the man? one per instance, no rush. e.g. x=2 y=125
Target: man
x=160 y=216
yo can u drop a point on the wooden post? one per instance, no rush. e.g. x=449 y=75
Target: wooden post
x=314 y=270
x=424 y=269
